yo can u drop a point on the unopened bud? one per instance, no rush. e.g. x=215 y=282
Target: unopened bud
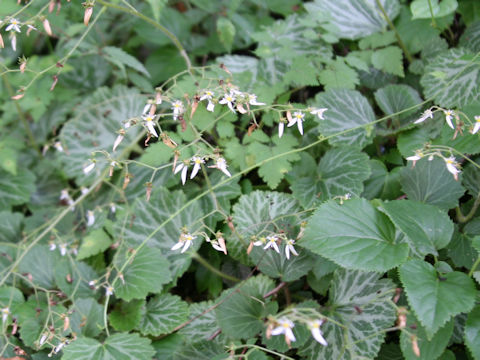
x=46 y=26
x=126 y=181
x=402 y=317
x=51 y=6
x=241 y=109
x=2 y=44
x=87 y=15
x=66 y=323
x=250 y=247
x=415 y=348
x=18 y=97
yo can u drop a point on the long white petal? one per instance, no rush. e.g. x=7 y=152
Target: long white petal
x=151 y=128
x=281 y=127
x=210 y=106
x=476 y=127
x=230 y=106
x=179 y=168
x=184 y=174
x=278 y=330
x=317 y=335
x=269 y=244
x=194 y=172
x=300 y=126
x=448 y=119
x=289 y=334
x=186 y=246
x=177 y=246
x=13 y=41
x=226 y=172
x=275 y=246
x=287 y=252
x=117 y=142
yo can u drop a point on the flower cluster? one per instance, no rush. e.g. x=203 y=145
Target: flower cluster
x=273 y=241
x=284 y=326
x=451 y=163
x=186 y=240
x=450 y=115
x=234 y=99
x=298 y=118
x=219 y=163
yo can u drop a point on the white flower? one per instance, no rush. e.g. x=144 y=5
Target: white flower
x=14 y=26
x=92 y=283
x=59 y=347
x=281 y=127
x=58 y=145
x=426 y=114
x=318 y=112
x=150 y=124
x=184 y=242
x=272 y=242
x=221 y=164
x=197 y=161
x=184 y=168
x=316 y=332
x=89 y=168
x=285 y=327
x=109 y=290
x=64 y=195
x=177 y=108
x=43 y=339
x=260 y=242
x=63 y=249
x=52 y=246
x=210 y=106
x=228 y=99
x=448 y=117
x=476 y=127
x=127 y=124
x=90 y=217
x=452 y=166
x=83 y=190
x=414 y=158
x=298 y=119
x=207 y=95
x=218 y=245
x=252 y=100
x=113 y=208
x=5 y=313
x=290 y=249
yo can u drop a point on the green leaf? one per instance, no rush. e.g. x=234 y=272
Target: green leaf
x=10 y=296
x=472 y=332
x=354 y=19
x=15 y=189
x=117 y=55
x=341 y=171
x=87 y=317
x=157 y=7
x=389 y=60
x=354 y=235
x=452 y=79
x=121 y=346
x=461 y=251
x=157 y=215
x=95 y=127
x=426 y=9
x=436 y=298
x=337 y=74
x=361 y=303
x=10 y=226
x=226 y=32
x=146 y=271
x=347 y=109
x=241 y=314
x=94 y=243
x=204 y=323
x=40 y=263
x=126 y=315
x=470 y=179
x=427 y=228
x=397 y=98
x=72 y=278
x=429 y=349
x=382 y=184
x=302 y=73
x=163 y=314
x=471 y=37
x=431 y=183
x=202 y=350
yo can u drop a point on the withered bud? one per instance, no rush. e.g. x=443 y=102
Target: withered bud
x=402 y=317
x=167 y=141
x=194 y=107
x=398 y=292
x=148 y=190
x=221 y=242
x=175 y=159
x=54 y=83
x=23 y=66
x=251 y=129
x=241 y=109
x=268 y=332
x=158 y=97
x=126 y=181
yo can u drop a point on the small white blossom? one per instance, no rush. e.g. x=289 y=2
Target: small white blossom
x=210 y=106
x=449 y=114
x=52 y=246
x=83 y=190
x=184 y=242
x=318 y=112
x=183 y=168
x=208 y=95
x=197 y=164
x=58 y=145
x=476 y=127
x=217 y=245
x=90 y=217
x=228 y=99
x=426 y=114
x=59 y=347
x=109 y=291
x=316 y=332
x=252 y=100
x=127 y=124
x=285 y=327
x=64 y=195
x=221 y=164
x=414 y=158
x=177 y=108
x=281 y=128
x=89 y=168
x=5 y=313
x=92 y=283
x=14 y=26
x=150 y=124
x=113 y=208
x=290 y=249
x=63 y=249
x=272 y=242
x=297 y=119
x=452 y=166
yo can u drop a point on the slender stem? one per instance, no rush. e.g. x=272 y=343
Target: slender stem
x=213 y=269
x=397 y=35
x=160 y=27
x=474 y=267
x=21 y=115
x=464 y=218
x=434 y=23
x=282 y=356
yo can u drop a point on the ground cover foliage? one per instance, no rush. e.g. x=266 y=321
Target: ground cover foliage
x=270 y=179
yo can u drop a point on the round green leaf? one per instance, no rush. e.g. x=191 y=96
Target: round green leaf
x=355 y=235
x=126 y=315
x=433 y=297
x=15 y=189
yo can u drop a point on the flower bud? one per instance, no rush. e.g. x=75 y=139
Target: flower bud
x=87 y=15
x=47 y=28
